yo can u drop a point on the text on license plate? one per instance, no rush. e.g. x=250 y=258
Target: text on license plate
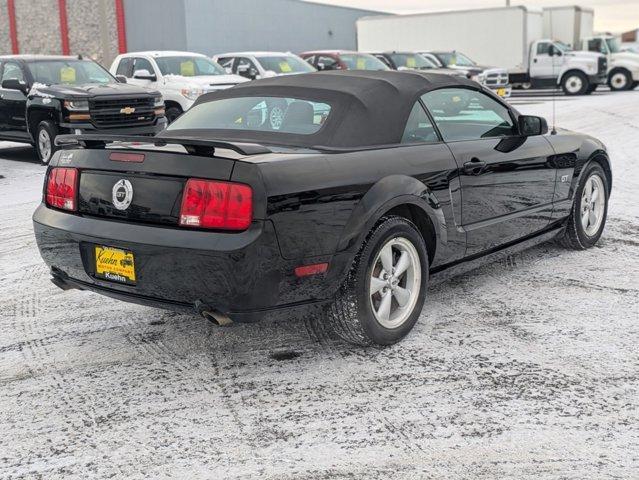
x=115 y=265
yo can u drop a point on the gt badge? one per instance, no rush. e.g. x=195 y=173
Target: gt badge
x=122 y=194
x=127 y=110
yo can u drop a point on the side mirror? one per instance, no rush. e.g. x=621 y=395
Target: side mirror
x=530 y=126
x=144 y=75
x=120 y=78
x=15 y=84
x=247 y=72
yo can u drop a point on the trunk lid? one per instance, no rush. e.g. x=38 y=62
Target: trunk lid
x=147 y=191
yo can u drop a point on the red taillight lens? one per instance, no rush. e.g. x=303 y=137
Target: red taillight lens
x=127 y=157
x=62 y=188
x=214 y=204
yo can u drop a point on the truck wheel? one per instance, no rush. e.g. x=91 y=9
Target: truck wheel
x=620 y=80
x=45 y=141
x=172 y=113
x=591 y=88
x=575 y=83
x=382 y=297
x=589 y=210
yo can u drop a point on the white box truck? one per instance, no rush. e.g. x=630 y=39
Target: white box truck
x=509 y=37
x=575 y=26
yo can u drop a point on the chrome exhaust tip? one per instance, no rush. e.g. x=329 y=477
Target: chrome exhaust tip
x=216 y=318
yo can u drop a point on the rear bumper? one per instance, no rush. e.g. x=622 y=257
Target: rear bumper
x=242 y=275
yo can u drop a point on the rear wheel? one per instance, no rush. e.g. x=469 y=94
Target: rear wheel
x=383 y=295
x=45 y=141
x=575 y=83
x=620 y=80
x=589 y=210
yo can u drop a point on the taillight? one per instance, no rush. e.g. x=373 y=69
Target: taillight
x=62 y=188
x=214 y=204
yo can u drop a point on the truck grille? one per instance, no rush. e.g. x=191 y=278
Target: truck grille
x=497 y=79
x=122 y=112
x=603 y=65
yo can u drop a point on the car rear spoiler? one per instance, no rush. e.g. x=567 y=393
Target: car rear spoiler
x=196 y=144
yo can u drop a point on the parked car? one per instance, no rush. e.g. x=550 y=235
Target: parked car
x=494 y=78
x=343 y=60
x=511 y=38
x=181 y=77
x=414 y=61
x=373 y=183
x=42 y=96
x=255 y=65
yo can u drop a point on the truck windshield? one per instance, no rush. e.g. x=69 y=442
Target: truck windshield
x=613 y=45
x=411 y=60
x=285 y=64
x=258 y=114
x=69 y=72
x=188 y=66
x=453 y=59
x=362 y=61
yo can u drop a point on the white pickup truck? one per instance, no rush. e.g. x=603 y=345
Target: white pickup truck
x=623 y=67
x=180 y=77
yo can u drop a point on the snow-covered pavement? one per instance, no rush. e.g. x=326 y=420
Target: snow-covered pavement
x=527 y=368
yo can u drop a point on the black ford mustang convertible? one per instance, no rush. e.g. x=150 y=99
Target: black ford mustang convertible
x=340 y=190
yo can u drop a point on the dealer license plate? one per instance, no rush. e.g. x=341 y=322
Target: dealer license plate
x=501 y=92
x=115 y=265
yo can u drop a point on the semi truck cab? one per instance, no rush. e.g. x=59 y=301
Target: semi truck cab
x=623 y=67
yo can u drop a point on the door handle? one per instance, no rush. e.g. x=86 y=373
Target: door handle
x=475 y=166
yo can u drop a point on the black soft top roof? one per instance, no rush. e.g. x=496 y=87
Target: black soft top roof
x=368 y=108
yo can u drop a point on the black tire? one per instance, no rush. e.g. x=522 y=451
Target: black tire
x=620 y=80
x=575 y=236
x=351 y=315
x=172 y=113
x=592 y=88
x=634 y=85
x=50 y=130
x=570 y=80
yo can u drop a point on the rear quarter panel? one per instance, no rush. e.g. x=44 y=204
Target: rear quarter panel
x=322 y=204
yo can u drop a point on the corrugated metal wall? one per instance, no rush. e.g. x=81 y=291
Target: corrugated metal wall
x=206 y=26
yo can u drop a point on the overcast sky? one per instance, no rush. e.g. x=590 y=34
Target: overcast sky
x=610 y=15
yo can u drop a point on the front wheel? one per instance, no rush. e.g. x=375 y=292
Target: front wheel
x=172 y=114
x=589 y=210
x=575 y=83
x=45 y=141
x=620 y=80
x=383 y=295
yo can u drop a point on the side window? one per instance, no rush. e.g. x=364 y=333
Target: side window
x=12 y=71
x=462 y=114
x=419 y=128
x=325 y=62
x=310 y=59
x=125 y=67
x=543 y=48
x=143 y=64
x=226 y=63
x=596 y=45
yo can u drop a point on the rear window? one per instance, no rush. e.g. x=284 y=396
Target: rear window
x=259 y=114
x=285 y=64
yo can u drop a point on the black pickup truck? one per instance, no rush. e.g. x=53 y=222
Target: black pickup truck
x=42 y=96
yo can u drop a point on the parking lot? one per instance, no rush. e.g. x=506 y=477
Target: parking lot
x=525 y=368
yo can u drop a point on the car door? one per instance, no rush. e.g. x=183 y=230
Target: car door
x=543 y=65
x=13 y=103
x=507 y=180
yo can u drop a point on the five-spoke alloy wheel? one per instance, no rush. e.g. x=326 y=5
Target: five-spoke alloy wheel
x=383 y=295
